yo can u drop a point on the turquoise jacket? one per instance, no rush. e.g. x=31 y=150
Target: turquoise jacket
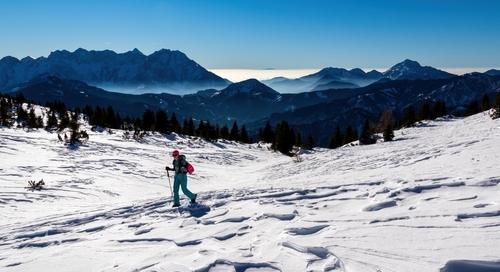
x=180 y=165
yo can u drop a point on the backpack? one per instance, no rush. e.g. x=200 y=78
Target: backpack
x=189 y=168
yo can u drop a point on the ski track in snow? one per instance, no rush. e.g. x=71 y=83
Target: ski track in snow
x=414 y=204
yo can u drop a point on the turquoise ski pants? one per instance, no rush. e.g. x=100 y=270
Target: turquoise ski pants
x=181 y=180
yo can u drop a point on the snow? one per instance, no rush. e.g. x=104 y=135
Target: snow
x=426 y=200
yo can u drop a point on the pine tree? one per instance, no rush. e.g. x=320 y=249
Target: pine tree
x=138 y=124
x=440 y=108
x=3 y=112
x=283 y=140
x=22 y=115
x=409 y=116
x=161 y=122
x=208 y=130
x=310 y=142
x=73 y=123
x=386 y=118
x=88 y=113
x=267 y=134
x=244 y=135
x=119 y=121
x=39 y=122
x=64 y=121
x=472 y=108
x=292 y=136
x=351 y=135
x=331 y=145
x=496 y=108
x=366 y=136
x=234 y=134
x=99 y=118
x=485 y=103
x=337 y=139
x=215 y=132
x=200 y=132
x=185 y=127
x=77 y=110
x=75 y=134
x=174 y=124
x=224 y=132
x=425 y=112
x=388 y=133
x=190 y=130
x=298 y=139
x=148 y=120
x=31 y=121
x=20 y=99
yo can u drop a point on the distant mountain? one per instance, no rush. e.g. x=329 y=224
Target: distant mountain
x=409 y=69
x=354 y=76
x=331 y=77
x=343 y=74
x=493 y=72
x=369 y=102
x=326 y=78
x=252 y=102
x=246 y=101
x=335 y=84
x=73 y=93
x=132 y=71
x=275 y=80
x=286 y=85
x=374 y=74
x=250 y=88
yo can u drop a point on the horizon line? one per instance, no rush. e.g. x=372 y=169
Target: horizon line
x=240 y=74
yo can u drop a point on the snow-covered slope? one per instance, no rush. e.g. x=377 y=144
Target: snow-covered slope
x=413 y=204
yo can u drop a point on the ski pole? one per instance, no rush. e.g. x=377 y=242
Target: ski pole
x=170 y=186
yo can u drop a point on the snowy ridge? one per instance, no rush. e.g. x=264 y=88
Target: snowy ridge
x=413 y=204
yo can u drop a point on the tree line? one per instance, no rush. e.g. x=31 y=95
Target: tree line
x=58 y=117
x=162 y=122
x=282 y=137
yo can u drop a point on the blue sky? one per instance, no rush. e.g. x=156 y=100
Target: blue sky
x=263 y=34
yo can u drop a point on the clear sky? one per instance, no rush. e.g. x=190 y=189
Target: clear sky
x=258 y=34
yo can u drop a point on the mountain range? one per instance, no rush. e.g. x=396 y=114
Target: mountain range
x=369 y=102
x=245 y=101
x=333 y=96
x=133 y=72
x=340 y=78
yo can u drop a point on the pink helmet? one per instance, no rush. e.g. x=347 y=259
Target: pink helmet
x=175 y=153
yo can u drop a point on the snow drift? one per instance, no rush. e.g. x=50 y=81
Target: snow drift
x=414 y=204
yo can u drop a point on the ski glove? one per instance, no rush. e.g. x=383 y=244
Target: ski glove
x=183 y=170
x=169 y=169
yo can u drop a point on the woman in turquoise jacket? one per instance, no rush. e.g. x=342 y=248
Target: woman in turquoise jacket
x=180 y=178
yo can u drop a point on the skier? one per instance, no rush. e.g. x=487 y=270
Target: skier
x=180 y=178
